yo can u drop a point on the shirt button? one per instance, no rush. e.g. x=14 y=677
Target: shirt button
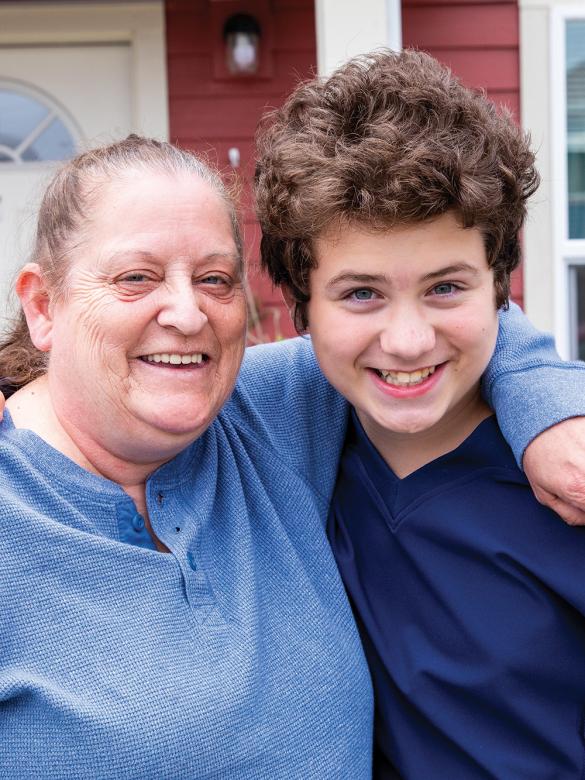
x=138 y=523
x=191 y=561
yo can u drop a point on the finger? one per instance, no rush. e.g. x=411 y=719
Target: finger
x=569 y=513
x=573 y=490
x=543 y=496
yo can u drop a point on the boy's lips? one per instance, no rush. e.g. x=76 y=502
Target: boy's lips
x=408 y=384
x=406 y=378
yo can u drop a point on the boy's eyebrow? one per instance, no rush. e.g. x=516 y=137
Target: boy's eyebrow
x=354 y=278
x=456 y=268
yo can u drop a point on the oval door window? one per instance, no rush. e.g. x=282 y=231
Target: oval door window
x=32 y=128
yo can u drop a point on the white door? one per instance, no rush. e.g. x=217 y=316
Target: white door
x=54 y=100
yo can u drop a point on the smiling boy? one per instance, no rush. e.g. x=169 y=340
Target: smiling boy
x=399 y=198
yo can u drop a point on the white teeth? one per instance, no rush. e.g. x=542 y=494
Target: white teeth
x=174 y=358
x=406 y=378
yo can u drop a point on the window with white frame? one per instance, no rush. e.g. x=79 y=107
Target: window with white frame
x=575 y=69
x=32 y=129
x=569 y=50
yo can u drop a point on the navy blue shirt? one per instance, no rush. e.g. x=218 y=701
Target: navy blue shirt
x=470 y=597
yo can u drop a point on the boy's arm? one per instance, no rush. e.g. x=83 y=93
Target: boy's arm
x=534 y=394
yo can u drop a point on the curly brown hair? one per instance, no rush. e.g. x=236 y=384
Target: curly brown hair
x=390 y=138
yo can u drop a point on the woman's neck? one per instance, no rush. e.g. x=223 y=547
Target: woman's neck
x=31 y=407
x=407 y=452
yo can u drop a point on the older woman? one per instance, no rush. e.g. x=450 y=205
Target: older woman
x=164 y=612
x=402 y=195
x=170 y=605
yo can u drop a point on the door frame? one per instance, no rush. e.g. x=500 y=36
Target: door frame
x=139 y=24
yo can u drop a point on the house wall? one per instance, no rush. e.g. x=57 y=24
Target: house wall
x=210 y=114
x=479 y=40
x=476 y=38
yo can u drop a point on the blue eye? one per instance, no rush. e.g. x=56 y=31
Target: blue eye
x=136 y=277
x=445 y=288
x=362 y=295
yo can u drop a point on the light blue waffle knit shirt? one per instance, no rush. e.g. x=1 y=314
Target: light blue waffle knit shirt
x=234 y=656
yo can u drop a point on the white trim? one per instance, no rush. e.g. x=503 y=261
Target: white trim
x=394 y=20
x=141 y=25
x=346 y=28
x=558 y=114
x=567 y=252
x=548 y=251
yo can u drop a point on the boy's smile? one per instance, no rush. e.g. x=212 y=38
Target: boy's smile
x=404 y=323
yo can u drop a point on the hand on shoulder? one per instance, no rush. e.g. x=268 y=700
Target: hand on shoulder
x=554 y=463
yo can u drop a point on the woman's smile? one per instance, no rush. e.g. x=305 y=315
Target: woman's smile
x=155 y=316
x=175 y=359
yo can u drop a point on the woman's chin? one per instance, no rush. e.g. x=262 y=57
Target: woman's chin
x=189 y=427
x=184 y=415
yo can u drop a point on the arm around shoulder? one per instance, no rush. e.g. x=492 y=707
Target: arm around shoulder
x=540 y=402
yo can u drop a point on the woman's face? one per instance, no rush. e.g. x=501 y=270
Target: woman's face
x=404 y=322
x=147 y=341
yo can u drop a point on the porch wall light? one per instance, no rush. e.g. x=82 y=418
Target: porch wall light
x=241 y=34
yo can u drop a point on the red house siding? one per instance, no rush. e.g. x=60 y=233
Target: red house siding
x=210 y=114
x=479 y=40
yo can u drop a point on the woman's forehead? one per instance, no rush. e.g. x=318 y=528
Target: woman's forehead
x=149 y=200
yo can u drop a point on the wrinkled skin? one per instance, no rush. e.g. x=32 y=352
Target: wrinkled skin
x=155 y=271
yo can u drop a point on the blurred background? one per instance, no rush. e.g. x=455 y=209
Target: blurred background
x=202 y=72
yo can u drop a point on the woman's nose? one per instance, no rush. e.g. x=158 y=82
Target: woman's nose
x=407 y=335
x=181 y=310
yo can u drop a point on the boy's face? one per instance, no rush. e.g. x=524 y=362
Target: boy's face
x=404 y=322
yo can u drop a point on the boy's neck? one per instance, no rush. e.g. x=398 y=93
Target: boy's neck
x=407 y=452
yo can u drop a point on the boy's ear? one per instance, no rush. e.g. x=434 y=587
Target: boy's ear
x=291 y=305
x=289 y=299
x=34 y=298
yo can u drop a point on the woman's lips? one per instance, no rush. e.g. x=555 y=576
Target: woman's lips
x=176 y=358
x=409 y=384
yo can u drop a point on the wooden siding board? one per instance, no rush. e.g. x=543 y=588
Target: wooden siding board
x=204 y=117
x=282 y=5
x=491 y=69
x=458 y=3
x=471 y=26
x=294 y=30
x=187 y=32
x=479 y=40
x=192 y=74
x=210 y=115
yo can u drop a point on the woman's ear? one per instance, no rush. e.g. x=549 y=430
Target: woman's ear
x=34 y=298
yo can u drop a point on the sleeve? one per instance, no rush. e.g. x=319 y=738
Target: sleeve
x=284 y=400
x=527 y=384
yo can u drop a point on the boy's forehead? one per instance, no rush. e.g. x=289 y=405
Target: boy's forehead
x=425 y=248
